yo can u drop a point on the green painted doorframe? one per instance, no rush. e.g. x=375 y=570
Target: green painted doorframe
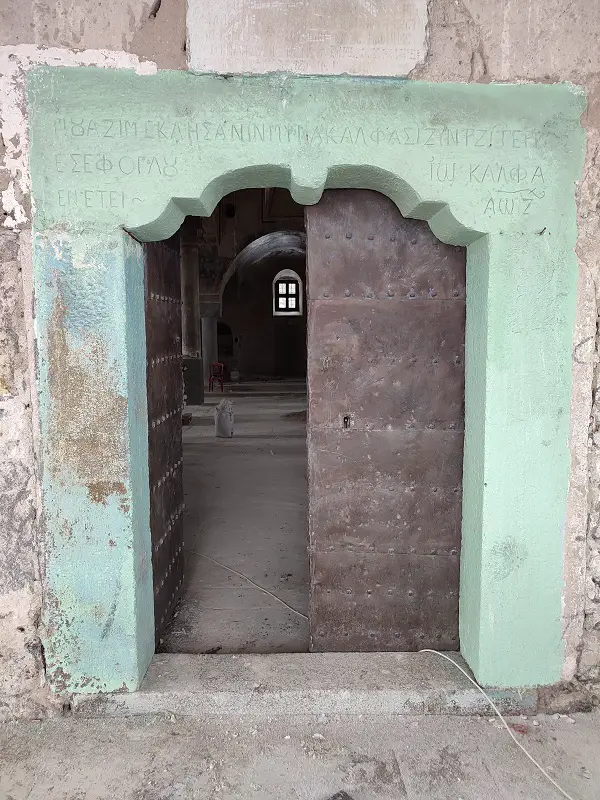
x=491 y=167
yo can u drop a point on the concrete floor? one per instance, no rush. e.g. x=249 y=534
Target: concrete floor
x=246 y=507
x=309 y=758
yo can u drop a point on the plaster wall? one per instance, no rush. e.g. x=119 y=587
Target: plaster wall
x=468 y=40
x=498 y=160
x=23 y=688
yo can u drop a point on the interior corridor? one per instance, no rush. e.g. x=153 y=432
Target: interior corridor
x=246 y=508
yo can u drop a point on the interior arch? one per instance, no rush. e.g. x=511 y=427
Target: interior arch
x=271 y=245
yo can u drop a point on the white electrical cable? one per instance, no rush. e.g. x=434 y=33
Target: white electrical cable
x=246 y=578
x=502 y=720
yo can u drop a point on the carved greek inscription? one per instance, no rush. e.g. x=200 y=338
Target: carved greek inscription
x=514 y=188
x=94 y=163
x=91 y=198
x=443 y=171
x=508 y=204
x=255 y=131
x=524 y=179
x=502 y=173
x=102 y=128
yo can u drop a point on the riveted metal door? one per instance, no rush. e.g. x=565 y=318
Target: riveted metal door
x=386 y=331
x=165 y=404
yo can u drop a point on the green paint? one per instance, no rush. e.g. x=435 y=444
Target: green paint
x=492 y=167
x=90 y=314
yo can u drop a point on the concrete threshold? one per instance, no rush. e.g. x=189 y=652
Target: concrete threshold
x=305 y=683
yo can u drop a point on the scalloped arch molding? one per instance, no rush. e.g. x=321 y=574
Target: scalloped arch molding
x=492 y=167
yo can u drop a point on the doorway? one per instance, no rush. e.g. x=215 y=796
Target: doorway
x=386 y=328
x=447 y=154
x=244 y=530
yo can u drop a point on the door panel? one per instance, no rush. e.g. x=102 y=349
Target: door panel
x=165 y=404
x=387 y=491
x=386 y=331
x=380 y=601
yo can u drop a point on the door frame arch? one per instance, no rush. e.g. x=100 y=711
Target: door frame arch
x=489 y=167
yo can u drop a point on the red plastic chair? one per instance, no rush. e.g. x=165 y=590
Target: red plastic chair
x=217 y=374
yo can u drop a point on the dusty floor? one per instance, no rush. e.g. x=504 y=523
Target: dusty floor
x=373 y=758
x=246 y=507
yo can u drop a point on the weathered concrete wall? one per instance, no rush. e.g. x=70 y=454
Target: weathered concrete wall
x=468 y=40
x=152 y=29
x=21 y=655
x=21 y=673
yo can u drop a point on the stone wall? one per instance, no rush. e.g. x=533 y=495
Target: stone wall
x=152 y=29
x=467 y=40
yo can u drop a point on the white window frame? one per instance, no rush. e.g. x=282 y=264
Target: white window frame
x=290 y=275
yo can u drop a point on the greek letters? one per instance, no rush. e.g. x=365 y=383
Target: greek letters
x=91 y=163
x=253 y=131
x=503 y=173
x=91 y=198
x=508 y=205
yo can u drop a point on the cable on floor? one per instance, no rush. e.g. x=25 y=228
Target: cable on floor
x=502 y=720
x=246 y=578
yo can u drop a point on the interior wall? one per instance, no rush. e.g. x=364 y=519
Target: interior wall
x=265 y=346
x=469 y=41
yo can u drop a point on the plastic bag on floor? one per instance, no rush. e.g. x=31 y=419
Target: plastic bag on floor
x=224 y=420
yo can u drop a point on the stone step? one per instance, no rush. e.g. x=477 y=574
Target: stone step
x=305 y=683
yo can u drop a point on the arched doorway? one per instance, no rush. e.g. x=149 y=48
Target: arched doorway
x=246 y=531
x=386 y=385
x=442 y=153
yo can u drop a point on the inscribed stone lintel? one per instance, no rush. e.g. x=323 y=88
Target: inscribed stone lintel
x=310 y=37
x=115 y=148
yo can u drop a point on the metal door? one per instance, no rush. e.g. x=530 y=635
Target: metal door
x=386 y=332
x=165 y=404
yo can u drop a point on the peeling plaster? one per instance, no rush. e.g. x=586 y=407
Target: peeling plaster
x=89 y=420
x=14 y=64
x=23 y=688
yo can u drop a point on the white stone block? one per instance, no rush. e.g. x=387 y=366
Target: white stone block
x=310 y=37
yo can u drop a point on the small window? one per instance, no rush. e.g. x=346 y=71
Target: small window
x=287 y=294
